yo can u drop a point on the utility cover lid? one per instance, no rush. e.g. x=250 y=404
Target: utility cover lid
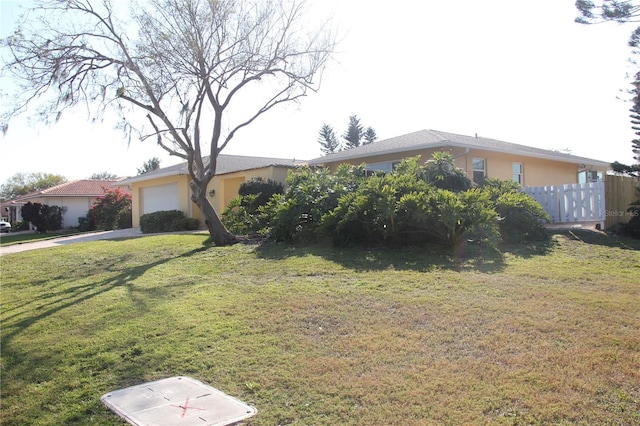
x=176 y=401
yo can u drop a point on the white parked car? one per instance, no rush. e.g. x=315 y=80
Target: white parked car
x=5 y=226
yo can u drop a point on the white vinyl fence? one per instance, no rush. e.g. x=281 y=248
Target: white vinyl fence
x=579 y=202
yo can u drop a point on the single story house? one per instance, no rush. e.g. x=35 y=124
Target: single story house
x=479 y=157
x=75 y=198
x=168 y=188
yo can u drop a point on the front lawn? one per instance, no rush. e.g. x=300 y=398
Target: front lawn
x=325 y=336
x=30 y=237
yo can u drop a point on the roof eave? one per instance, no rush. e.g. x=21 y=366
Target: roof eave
x=146 y=176
x=566 y=158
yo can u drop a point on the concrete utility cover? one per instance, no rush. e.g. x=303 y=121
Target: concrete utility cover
x=176 y=401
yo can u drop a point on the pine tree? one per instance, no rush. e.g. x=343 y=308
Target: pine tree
x=370 y=136
x=355 y=132
x=635 y=118
x=150 y=165
x=621 y=12
x=327 y=139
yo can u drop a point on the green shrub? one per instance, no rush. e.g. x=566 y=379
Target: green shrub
x=441 y=172
x=522 y=218
x=373 y=212
x=402 y=208
x=368 y=214
x=297 y=214
x=263 y=189
x=86 y=223
x=242 y=214
x=43 y=217
x=455 y=218
x=167 y=221
x=20 y=225
x=112 y=210
x=481 y=219
x=410 y=205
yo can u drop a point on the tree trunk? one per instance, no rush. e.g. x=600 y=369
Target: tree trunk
x=219 y=233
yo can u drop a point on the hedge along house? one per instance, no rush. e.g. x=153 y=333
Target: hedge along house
x=479 y=157
x=168 y=188
x=75 y=198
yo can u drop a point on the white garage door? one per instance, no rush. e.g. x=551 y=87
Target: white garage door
x=157 y=198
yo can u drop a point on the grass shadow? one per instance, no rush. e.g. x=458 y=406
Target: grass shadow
x=51 y=302
x=363 y=259
x=595 y=237
x=529 y=249
x=468 y=256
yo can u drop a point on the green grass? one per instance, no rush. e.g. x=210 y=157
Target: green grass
x=324 y=336
x=9 y=238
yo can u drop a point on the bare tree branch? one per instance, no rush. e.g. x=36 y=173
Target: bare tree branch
x=183 y=63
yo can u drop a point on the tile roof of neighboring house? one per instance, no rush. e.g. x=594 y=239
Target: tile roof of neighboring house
x=425 y=139
x=76 y=188
x=226 y=164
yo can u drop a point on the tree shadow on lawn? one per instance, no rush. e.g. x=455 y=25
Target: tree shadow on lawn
x=92 y=370
x=51 y=302
x=468 y=256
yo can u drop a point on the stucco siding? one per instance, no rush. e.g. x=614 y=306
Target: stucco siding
x=536 y=171
x=73 y=208
x=183 y=197
x=226 y=186
x=221 y=190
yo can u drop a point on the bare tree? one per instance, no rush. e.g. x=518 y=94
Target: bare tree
x=185 y=64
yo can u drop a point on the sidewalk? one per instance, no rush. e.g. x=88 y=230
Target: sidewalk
x=102 y=235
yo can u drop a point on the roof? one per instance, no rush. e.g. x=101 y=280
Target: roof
x=428 y=139
x=226 y=164
x=76 y=188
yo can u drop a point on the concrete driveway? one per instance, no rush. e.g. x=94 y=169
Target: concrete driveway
x=101 y=235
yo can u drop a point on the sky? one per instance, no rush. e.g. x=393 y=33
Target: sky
x=514 y=70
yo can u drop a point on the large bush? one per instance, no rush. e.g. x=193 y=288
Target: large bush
x=167 y=221
x=111 y=210
x=413 y=204
x=311 y=193
x=522 y=218
x=372 y=210
x=43 y=217
x=441 y=172
x=263 y=189
x=242 y=216
x=401 y=207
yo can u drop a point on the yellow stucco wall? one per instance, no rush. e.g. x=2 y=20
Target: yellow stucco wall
x=537 y=171
x=226 y=186
x=184 y=196
x=222 y=189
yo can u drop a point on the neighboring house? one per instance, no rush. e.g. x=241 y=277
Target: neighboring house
x=168 y=188
x=479 y=157
x=75 y=198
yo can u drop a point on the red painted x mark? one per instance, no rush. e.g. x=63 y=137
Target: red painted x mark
x=186 y=407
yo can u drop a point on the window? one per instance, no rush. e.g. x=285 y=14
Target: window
x=381 y=167
x=518 y=173
x=589 y=176
x=479 y=170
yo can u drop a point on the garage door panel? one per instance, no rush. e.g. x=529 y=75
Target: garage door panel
x=160 y=198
